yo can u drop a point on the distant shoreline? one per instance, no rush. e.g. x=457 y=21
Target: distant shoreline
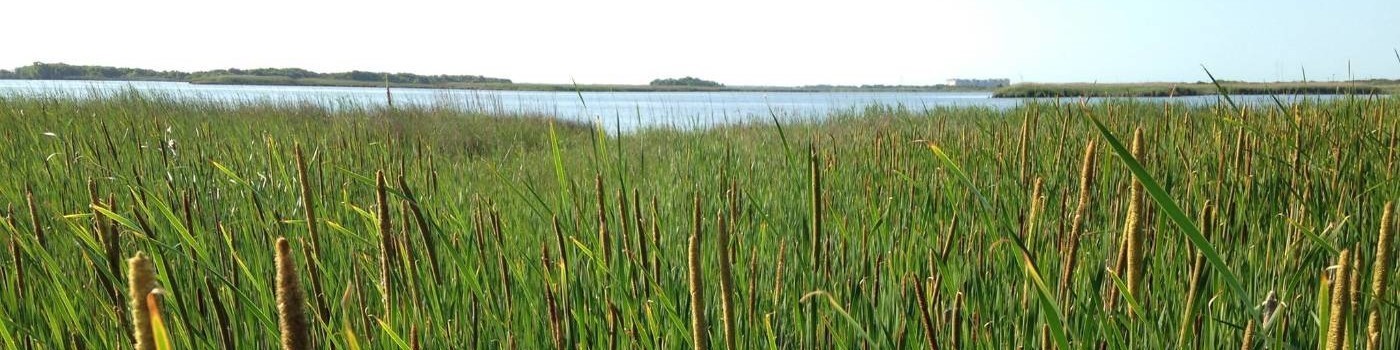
x=1037 y=90
x=313 y=82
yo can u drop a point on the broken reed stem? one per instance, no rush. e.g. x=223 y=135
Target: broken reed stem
x=699 y=333
x=726 y=282
x=1380 y=276
x=141 y=277
x=1133 y=229
x=1081 y=213
x=1336 y=326
x=816 y=207
x=291 y=312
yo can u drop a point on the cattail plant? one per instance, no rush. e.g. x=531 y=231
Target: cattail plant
x=1081 y=213
x=1193 y=288
x=1336 y=326
x=699 y=332
x=34 y=219
x=308 y=205
x=1247 y=341
x=291 y=304
x=141 y=279
x=1133 y=230
x=818 y=245
x=1380 y=276
x=387 y=250
x=604 y=241
x=726 y=281
x=927 y=322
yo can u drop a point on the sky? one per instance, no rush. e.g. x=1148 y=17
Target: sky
x=745 y=42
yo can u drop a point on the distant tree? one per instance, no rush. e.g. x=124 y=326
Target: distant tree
x=4 y=74
x=686 y=81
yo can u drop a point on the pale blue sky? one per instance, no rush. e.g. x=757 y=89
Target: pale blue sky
x=738 y=42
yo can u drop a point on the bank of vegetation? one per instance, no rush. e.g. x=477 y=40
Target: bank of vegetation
x=132 y=219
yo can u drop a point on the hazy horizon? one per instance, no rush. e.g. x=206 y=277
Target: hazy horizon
x=736 y=43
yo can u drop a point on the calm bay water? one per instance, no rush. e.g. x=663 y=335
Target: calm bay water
x=622 y=111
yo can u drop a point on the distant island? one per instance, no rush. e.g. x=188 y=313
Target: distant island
x=686 y=81
x=303 y=77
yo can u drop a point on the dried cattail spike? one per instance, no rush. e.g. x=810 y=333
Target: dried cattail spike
x=699 y=332
x=1380 y=276
x=1132 y=228
x=1336 y=327
x=291 y=304
x=1247 y=342
x=604 y=241
x=387 y=252
x=1081 y=213
x=726 y=281
x=142 y=280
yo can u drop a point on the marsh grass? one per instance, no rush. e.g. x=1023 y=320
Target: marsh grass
x=203 y=187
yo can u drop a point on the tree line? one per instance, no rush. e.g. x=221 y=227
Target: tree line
x=62 y=71
x=686 y=81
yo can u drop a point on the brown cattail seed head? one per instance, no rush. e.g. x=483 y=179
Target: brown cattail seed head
x=290 y=301
x=141 y=277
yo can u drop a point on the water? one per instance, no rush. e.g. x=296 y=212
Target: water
x=621 y=111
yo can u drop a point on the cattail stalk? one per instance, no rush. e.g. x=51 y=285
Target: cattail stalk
x=424 y=229
x=1247 y=341
x=142 y=280
x=922 y=298
x=291 y=304
x=604 y=241
x=1133 y=229
x=818 y=245
x=1337 y=324
x=726 y=282
x=34 y=219
x=1198 y=266
x=1081 y=213
x=308 y=205
x=387 y=251
x=699 y=332
x=1380 y=277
